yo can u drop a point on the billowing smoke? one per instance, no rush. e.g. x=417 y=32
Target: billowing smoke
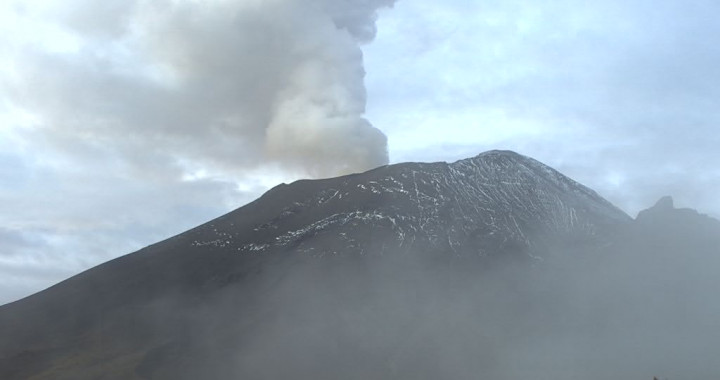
x=199 y=86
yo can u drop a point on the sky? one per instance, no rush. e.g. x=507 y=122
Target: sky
x=124 y=122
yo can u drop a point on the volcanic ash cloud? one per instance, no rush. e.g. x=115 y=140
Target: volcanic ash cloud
x=219 y=84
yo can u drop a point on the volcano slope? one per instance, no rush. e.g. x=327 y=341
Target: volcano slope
x=493 y=267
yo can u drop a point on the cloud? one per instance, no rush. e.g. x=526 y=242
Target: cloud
x=12 y=241
x=56 y=223
x=611 y=87
x=229 y=84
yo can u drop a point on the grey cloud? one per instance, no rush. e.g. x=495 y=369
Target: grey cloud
x=13 y=241
x=60 y=226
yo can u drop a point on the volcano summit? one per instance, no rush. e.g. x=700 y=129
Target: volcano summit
x=492 y=267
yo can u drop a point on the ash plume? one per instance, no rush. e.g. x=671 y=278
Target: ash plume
x=220 y=85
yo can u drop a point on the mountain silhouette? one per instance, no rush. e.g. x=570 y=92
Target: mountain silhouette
x=481 y=268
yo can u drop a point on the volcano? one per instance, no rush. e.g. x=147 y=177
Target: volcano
x=492 y=267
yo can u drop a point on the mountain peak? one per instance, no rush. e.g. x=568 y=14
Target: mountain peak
x=664 y=210
x=506 y=166
x=469 y=207
x=500 y=153
x=495 y=155
x=665 y=203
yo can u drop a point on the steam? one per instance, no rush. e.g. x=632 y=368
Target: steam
x=219 y=85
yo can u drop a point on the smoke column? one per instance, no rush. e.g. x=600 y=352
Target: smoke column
x=216 y=84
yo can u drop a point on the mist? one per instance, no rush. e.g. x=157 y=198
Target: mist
x=638 y=305
x=635 y=311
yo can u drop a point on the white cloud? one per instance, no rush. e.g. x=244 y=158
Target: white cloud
x=607 y=87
